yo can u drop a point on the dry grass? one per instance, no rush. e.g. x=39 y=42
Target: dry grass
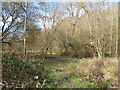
x=106 y=68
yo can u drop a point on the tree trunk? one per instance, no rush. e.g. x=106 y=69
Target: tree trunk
x=25 y=25
x=99 y=52
x=1 y=50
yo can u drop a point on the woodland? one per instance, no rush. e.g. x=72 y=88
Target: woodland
x=59 y=44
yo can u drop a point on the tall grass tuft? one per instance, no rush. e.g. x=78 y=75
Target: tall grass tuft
x=100 y=70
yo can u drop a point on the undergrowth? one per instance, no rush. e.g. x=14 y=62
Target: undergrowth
x=19 y=74
x=101 y=72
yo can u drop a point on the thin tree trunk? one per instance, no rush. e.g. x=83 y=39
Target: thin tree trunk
x=111 y=39
x=98 y=46
x=116 y=42
x=25 y=25
x=1 y=49
x=98 y=50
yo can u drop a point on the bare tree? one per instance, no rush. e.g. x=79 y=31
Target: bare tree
x=11 y=18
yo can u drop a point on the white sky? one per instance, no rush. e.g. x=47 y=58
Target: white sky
x=8 y=20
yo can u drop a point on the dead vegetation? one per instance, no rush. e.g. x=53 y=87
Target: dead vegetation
x=105 y=69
